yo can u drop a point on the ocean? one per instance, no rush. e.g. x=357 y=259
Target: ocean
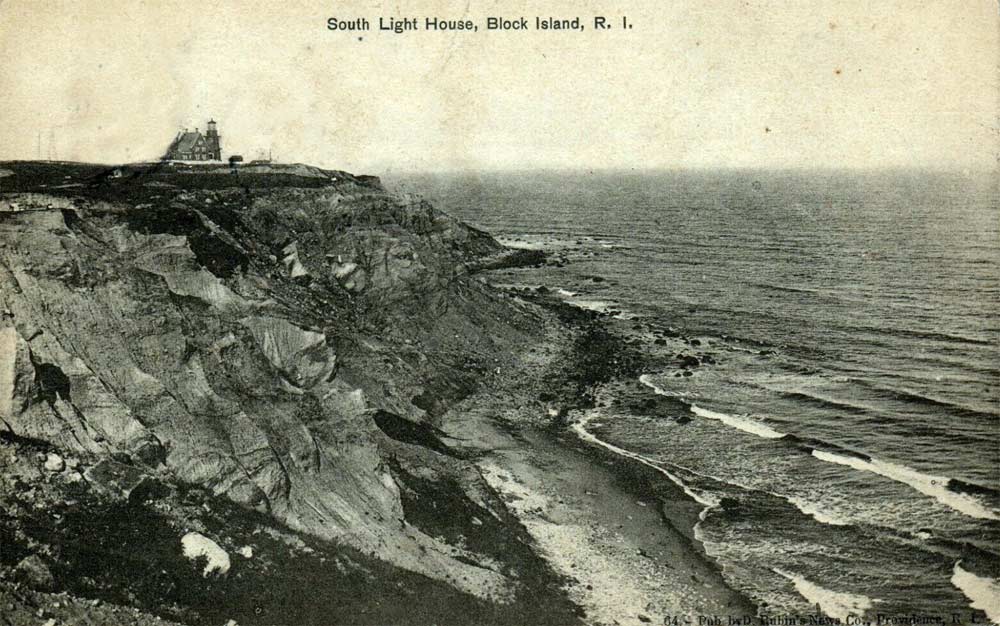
x=841 y=424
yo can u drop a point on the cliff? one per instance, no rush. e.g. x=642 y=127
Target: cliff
x=284 y=339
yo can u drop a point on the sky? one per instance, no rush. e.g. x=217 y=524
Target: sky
x=693 y=83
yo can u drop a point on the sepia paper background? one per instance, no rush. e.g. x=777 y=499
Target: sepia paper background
x=848 y=83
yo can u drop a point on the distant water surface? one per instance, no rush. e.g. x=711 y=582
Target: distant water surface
x=852 y=421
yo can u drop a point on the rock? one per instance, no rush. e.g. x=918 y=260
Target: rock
x=197 y=545
x=246 y=552
x=74 y=477
x=695 y=342
x=54 y=462
x=123 y=481
x=690 y=361
x=644 y=619
x=660 y=342
x=688 y=373
x=291 y=261
x=729 y=504
x=33 y=570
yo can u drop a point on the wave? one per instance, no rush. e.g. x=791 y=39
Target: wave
x=745 y=424
x=933 y=335
x=813 y=510
x=644 y=379
x=787 y=289
x=972 y=489
x=811 y=444
x=836 y=604
x=824 y=293
x=948 y=431
x=601 y=306
x=984 y=593
x=927 y=484
x=703 y=498
x=580 y=428
x=961 y=496
x=806 y=507
x=926 y=334
x=904 y=395
x=822 y=402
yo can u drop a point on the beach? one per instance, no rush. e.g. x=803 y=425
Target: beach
x=617 y=530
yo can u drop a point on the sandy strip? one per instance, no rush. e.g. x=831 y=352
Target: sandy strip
x=625 y=563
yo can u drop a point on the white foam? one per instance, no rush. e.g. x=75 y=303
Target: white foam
x=742 y=423
x=566 y=293
x=800 y=503
x=984 y=593
x=927 y=484
x=592 y=305
x=814 y=511
x=644 y=379
x=836 y=604
x=698 y=496
x=538 y=241
x=521 y=243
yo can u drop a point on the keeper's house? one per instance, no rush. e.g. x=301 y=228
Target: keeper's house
x=193 y=146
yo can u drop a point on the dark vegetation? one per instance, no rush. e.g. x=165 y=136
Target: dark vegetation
x=127 y=552
x=407 y=431
x=440 y=508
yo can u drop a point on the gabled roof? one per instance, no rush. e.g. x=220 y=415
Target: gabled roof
x=186 y=141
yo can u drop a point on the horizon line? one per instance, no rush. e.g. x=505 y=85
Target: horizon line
x=391 y=170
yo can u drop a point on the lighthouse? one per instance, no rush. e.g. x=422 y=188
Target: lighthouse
x=213 y=144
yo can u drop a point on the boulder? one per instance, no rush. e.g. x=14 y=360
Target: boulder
x=690 y=361
x=54 y=462
x=33 y=570
x=290 y=259
x=197 y=545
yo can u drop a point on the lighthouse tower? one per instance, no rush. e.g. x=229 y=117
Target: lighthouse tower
x=213 y=145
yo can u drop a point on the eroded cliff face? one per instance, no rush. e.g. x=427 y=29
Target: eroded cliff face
x=285 y=342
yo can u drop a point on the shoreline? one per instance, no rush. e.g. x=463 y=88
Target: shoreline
x=620 y=532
